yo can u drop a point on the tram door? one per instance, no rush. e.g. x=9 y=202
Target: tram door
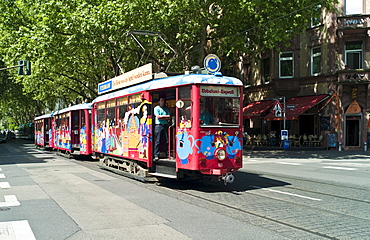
x=170 y=96
x=75 y=133
x=47 y=126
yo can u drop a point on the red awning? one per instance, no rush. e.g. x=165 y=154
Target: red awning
x=256 y=109
x=298 y=105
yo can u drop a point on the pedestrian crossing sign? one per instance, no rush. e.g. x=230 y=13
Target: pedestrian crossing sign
x=278 y=109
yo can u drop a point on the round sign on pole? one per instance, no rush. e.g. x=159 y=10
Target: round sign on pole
x=212 y=63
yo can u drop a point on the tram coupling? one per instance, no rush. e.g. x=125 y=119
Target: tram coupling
x=228 y=178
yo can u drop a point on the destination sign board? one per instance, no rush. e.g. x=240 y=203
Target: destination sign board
x=138 y=75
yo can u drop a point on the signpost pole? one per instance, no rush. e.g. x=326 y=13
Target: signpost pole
x=284 y=113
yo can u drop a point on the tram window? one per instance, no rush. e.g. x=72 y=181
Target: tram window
x=111 y=116
x=185 y=115
x=38 y=126
x=184 y=93
x=58 y=122
x=101 y=117
x=83 y=118
x=121 y=112
x=221 y=111
x=134 y=101
x=227 y=110
x=75 y=120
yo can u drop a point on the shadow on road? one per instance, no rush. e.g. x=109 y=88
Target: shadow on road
x=18 y=151
x=243 y=182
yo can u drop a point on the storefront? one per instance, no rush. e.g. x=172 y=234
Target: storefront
x=305 y=117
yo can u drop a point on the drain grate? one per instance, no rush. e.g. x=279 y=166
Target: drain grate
x=4 y=208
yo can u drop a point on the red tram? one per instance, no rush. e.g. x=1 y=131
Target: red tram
x=123 y=125
x=43 y=131
x=72 y=130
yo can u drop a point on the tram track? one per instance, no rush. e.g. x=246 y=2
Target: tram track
x=273 y=219
x=261 y=216
x=282 y=177
x=229 y=200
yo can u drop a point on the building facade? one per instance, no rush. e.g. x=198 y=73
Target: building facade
x=323 y=79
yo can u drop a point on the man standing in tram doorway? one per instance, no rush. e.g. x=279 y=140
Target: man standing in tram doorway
x=162 y=116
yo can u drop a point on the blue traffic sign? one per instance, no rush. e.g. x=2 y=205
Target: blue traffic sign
x=212 y=63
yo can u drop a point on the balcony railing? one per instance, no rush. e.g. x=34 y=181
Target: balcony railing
x=350 y=76
x=353 y=22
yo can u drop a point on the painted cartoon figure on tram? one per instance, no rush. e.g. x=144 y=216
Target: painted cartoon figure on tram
x=130 y=136
x=210 y=142
x=101 y=138
x=233 y=146
x=83 y=139
x=110 y=141
x=144 y=129
x=185 y=145
x=207 y=146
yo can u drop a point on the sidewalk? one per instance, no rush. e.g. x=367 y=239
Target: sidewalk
x=303 y=152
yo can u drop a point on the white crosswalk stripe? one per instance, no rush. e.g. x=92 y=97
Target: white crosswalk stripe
x=341 y=168
x=289 y=163
x=16 y=230
x=10 y=201
x=4 y=185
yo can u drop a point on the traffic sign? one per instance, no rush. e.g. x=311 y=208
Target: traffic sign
x=212 y=63
x=278 y=109
x=284 y=134
x=278 y=113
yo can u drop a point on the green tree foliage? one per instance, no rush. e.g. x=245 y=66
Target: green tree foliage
x=75 y=44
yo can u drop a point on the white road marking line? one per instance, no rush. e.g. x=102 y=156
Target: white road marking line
x=2 y=175
x=341 y=168
x=288 y=163
x=1 y=169
x=10 y=201
x=4 y=185
x=16 y=230
x=287 y=193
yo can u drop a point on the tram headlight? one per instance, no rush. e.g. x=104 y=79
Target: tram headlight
x=221 y=154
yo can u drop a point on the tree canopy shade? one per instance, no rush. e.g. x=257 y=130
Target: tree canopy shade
x=75 y=44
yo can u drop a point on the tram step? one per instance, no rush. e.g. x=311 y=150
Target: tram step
x=166 y=167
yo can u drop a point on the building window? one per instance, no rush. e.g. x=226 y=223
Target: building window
x=266 y=71
x=315 y=61
x=316 y=17
x=353 y=7
x=353 y=55
x=286 y=68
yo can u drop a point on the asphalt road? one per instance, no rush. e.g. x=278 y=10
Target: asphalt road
x=277 y=195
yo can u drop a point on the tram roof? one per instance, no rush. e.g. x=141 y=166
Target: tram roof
x=171 y=82
x=74 y=107
x=48 y=115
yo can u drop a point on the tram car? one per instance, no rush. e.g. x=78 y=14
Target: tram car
x=124 y=123
x=43 y=131
x=72 y=130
